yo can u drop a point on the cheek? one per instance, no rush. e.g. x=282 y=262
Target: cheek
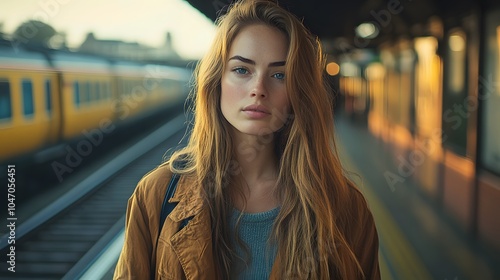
x=227 y=97
x=285 y=104
x=282 y=111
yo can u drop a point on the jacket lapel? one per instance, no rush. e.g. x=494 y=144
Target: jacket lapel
x=193 y=243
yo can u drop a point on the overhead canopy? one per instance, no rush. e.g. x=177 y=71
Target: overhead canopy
x=333 y=19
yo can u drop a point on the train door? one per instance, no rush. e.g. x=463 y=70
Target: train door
x=53 y=106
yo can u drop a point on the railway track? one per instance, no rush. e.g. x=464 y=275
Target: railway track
x=64 y=239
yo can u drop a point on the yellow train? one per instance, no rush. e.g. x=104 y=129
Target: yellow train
x=50 y=97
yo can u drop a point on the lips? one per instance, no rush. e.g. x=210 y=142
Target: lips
x=256 y=108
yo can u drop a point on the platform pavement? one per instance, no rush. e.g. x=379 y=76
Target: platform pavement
x=417 y=239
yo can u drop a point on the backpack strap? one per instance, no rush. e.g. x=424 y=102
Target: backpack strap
x=167 y=207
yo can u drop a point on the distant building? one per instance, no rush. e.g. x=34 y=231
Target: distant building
x=129 y=50
x=3 y=36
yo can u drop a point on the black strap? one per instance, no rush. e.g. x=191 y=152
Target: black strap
x=166 y=206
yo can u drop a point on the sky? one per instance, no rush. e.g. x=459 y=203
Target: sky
x=142 y=21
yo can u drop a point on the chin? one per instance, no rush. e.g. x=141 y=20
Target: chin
x=255 y=130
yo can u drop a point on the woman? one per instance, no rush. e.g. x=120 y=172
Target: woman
x=260 y=180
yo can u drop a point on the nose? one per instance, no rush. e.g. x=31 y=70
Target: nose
x=259 y=89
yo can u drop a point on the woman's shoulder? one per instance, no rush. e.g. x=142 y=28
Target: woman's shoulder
x=357 y=209
x=157 y=176
x=153 y=184
x=361 y=233
x=356 y=196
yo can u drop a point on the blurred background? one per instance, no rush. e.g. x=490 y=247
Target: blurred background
x=155 y=29
x=93 y=96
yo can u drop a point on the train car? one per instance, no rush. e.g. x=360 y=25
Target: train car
x=163 y=82
x=49 y=98
x=432 y=94
x=30 y=114
x=86 y=93
x=132 y=88
x=144 y=90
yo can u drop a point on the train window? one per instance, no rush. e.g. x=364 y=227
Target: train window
x=104 y=93
x=120 y=86
x=27 y=89
x=88 y=92
x=126 y=87
x=97 y=92
x=5 y=102
x=489 y=94
x=455 y=91
x=76 y=92
x=85 y=93
x=48 y=97
x=103 y=90
x=108 y=91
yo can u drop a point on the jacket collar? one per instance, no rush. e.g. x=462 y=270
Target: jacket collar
x=193 y=243
x=198 y=263
x=188 y=198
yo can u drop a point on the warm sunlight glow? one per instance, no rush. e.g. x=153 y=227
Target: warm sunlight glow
x=457 y=42
x=375 y=71
x=332 y=69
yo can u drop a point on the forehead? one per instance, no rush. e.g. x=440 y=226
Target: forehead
x=260 y=42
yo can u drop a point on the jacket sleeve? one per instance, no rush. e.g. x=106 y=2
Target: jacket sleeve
x=135 y=258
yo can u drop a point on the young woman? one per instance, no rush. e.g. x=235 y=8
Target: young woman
x=260 y=178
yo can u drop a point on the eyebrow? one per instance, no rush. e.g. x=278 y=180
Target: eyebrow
x=249 y=61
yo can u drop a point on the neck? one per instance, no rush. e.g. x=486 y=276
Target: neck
x=256 y=156
x=258 y=171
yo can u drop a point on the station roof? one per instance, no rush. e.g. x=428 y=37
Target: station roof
x=332 y=19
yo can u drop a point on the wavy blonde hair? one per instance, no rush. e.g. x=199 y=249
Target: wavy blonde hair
x=311 y=185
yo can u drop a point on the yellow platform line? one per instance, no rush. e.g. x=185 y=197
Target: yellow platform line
x=407 y=264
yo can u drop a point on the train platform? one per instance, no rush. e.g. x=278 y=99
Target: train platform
x=418 y=240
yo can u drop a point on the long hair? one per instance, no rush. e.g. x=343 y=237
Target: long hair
x=311 y=186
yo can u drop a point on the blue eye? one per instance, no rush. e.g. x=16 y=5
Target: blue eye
x=240 y=70
x=279 y=76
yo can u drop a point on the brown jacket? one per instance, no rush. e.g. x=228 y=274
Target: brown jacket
x=187 y=254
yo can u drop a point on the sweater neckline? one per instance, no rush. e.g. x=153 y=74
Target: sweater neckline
x=256 y=217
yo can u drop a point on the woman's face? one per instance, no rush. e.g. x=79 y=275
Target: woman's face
x=254 y=98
